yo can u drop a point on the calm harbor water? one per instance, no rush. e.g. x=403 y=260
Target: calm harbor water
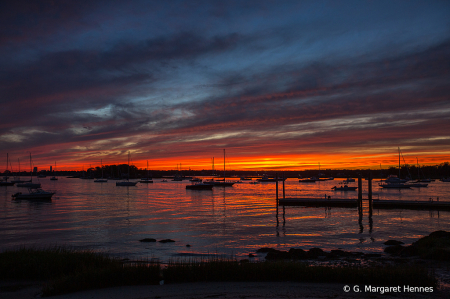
x=235 y=220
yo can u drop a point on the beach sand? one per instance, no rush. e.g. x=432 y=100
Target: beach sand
x=229 y=290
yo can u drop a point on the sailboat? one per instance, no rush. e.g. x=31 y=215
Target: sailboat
x=102 y=180
x=393 y=181
x=418 y=182
x=148 y=179
x=127 y=182
x=54 y=178
x=5 y=182
x=220 y=183
x=18 y=179
x=30 y=183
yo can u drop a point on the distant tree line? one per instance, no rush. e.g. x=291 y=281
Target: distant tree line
x=121 y=171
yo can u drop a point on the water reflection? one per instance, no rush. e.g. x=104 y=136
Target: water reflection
x=235 y=220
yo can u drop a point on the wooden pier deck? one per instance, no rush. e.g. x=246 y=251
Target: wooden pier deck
x=319 y=202
x=376 y=204
x=411 y=204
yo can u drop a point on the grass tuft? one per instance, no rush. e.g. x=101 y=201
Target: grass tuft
x=67 y=270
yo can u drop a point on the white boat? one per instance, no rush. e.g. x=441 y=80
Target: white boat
x=34 y=194
x=127 y=182
x=393 y=181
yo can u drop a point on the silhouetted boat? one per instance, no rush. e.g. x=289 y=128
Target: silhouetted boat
x=200 y=186
x=101 y=180
x=5 y=182
x=148 y=179
x=265 y=178
x=310 y=180
x=344 y=188
x=221 y=183
x=34 y=194
x=30 y=183
x=54 y=178
x=127 y=182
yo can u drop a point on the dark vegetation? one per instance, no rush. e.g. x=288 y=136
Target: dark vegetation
x=65 y=270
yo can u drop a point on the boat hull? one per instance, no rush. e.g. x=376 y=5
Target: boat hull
x=126 y=183
x=200 y=187
x=30 y=185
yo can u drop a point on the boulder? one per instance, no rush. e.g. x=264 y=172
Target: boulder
x=166 y=241
x=297 y=254
x=315 y=252
x=394 y=250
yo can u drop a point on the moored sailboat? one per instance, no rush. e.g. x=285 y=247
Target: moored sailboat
x=30 y=183
x=148 y=179
x=221 y=183
x=5 y=182
x=127 y=182
x=101 y=180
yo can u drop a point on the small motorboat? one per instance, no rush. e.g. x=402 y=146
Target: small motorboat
x=310 y=180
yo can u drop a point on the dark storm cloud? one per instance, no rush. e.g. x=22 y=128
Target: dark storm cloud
x=180 y=75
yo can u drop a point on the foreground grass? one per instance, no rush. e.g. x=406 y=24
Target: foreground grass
x=229 y=270
x=66 y=270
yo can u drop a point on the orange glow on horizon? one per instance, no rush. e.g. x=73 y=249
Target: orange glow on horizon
x=255 y=163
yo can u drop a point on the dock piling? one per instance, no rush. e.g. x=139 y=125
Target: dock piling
x=370 y=194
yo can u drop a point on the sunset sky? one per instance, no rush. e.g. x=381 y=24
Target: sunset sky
x=278 y=84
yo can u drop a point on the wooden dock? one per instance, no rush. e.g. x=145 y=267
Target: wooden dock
x=376 y=204
x=319 y=202
x=410 y=204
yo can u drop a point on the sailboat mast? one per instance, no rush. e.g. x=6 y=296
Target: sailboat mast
x=224 y=165
x=418 y=169
x=31 y=170
x=399 y=162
